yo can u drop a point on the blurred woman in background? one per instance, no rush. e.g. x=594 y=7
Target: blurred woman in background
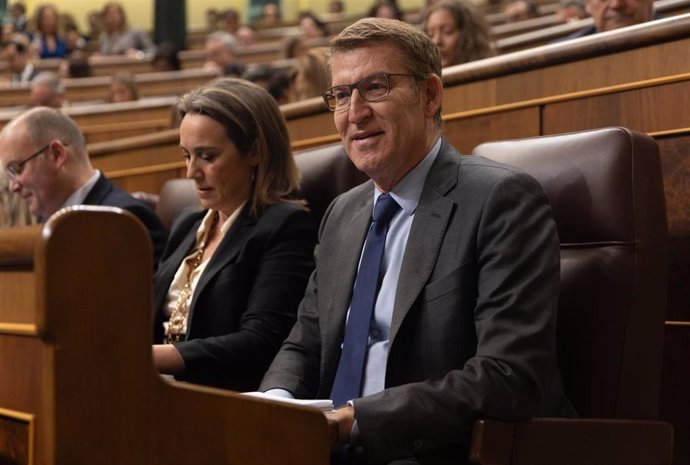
x=459 y=31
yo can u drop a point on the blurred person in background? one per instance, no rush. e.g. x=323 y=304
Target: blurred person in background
x=311 y=26
x=48 y=35
x=388 y=9
x=118 y=38
x=18 y=60
x=17 y=15
x=571 y=10
x=221 y=54
x=459 y=32
x=520 y=10
x=123 y=88
x=310 y=75
x=166 y=58
x=275 y=80
x=47 y=91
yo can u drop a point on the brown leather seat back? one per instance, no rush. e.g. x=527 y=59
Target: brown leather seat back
x=606 y=192
x=325 y=173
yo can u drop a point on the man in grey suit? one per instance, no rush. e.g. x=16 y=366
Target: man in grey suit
x=463 y=323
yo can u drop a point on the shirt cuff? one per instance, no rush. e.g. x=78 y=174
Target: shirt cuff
x=354 y=433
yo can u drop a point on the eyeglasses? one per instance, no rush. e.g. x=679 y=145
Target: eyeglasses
x=371 y=88
x=14 y=168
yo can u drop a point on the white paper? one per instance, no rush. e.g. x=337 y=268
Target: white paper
x=325 y=405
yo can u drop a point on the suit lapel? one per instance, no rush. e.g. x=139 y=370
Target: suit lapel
x=227 y=251
x=426 y=234
x=99 y=191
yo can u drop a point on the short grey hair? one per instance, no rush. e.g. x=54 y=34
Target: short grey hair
x=228 y=41
x=45 y=124
x=49 y=79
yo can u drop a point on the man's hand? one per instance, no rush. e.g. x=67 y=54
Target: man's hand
x=344 y=418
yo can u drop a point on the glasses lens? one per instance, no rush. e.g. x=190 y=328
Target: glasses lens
x=374 y=87
x=340 y=97
x=13 y=169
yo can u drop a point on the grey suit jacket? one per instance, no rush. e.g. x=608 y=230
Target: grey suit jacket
x=473 y=328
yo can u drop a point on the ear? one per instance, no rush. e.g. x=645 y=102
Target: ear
x=58 y=153
x=433 y=95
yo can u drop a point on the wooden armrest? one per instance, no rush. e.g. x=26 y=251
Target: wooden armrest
x=561 y=441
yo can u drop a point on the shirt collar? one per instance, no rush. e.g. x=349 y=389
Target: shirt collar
x=78 y=197
x=409 y=190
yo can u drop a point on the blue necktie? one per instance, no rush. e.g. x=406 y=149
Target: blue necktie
x=348 y=378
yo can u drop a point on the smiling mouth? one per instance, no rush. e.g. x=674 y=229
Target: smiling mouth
x=366 y=137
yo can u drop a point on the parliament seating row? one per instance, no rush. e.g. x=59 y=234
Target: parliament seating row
x=95 y=89
x=637 y=78
x=78 y=388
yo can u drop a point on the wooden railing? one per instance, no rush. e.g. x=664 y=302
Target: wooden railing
x=78 y=383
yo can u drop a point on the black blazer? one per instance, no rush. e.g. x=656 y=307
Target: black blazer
x=245 y=303
x=105 y=193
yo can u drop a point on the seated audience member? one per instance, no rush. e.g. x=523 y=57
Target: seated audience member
x=227 y=289
x=295 y=47
x=520 y=10
x=48 y=35
x=95 y=21
x=13 y=209
x=212 y=18
x=47 y=91
x=310 y=76
x=221 y=54
x=123 y=88
x=74 y=40
x=44 y=154
x=231 y=21
x=117 y=38
x=270 y=15
x=386 y=9
x=18 y=60
x=245 y=35
x=459 y=32
x=336 y=7
x=17 y=16
x=571 y=10
x=166 y=58
x=6 y=37
x=311 y=26
x=613 y=14
x=464 y=252
x=77 y=66
x=275 y=80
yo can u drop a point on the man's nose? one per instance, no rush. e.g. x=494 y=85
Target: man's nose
x=359 y=108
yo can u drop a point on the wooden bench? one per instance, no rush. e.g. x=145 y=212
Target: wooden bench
x=96 y=88
x=78 y=383
x=637 y=77
x=109 y=121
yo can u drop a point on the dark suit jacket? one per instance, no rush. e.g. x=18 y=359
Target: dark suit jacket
x=473 y=328
x=105 y=193
x=246 y=300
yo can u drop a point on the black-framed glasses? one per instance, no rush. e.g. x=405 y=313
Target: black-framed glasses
x=371 y=88
x=14 y=168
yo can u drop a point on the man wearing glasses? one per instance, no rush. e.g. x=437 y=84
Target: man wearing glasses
x=434 y=298
x=44 y=156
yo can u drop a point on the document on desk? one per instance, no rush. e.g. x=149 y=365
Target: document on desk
x=325 y=405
